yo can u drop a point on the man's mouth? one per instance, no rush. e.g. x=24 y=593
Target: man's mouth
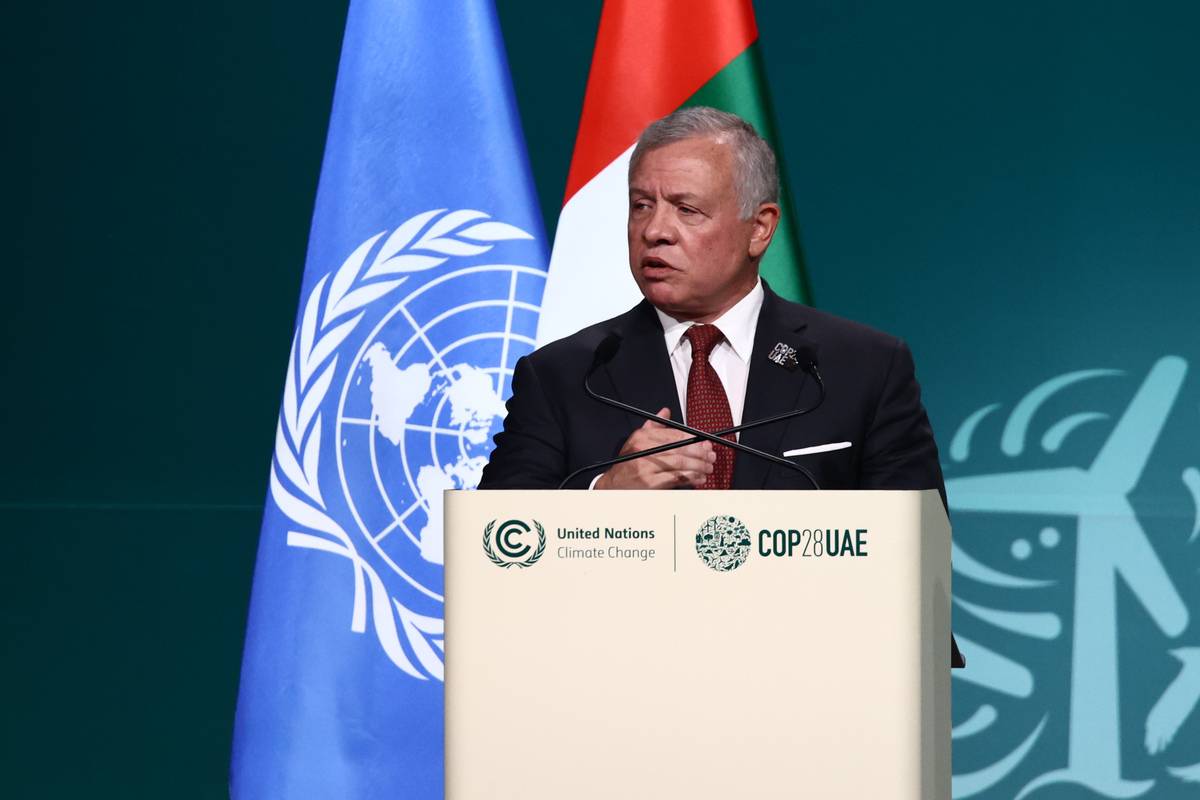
x=653 y=267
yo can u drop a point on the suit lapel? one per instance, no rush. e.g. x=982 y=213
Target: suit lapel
x=770 y=388
x=641 y=369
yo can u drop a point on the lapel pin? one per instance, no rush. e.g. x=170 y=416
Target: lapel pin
x=784 y=356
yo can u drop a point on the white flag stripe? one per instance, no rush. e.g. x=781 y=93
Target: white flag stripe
x=589 y=279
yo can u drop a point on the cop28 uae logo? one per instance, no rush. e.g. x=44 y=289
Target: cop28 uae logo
x=723 y=543
x=511 y=540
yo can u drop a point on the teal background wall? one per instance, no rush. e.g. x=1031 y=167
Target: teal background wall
x=1013 y=188
x=165 y=169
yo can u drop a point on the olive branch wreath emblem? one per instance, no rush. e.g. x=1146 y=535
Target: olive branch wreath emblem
x=331 y=313
x=499 y=562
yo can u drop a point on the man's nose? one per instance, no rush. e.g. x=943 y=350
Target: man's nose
x=660 y=227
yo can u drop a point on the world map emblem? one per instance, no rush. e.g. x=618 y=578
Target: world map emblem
x=723 y=543
x=395 y=387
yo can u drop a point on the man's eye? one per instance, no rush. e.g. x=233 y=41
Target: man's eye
x=686 y=211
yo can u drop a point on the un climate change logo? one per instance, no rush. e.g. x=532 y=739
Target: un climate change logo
x=394 y=388
x=723 y=543
x=512 y=542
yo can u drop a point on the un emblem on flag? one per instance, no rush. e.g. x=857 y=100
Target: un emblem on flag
x=393 y=397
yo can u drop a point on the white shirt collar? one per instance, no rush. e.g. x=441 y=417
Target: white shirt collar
x=738 y=324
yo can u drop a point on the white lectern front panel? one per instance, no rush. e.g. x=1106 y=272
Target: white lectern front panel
x=696 y=644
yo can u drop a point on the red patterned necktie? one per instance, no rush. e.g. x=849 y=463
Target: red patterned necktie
x=707 y=404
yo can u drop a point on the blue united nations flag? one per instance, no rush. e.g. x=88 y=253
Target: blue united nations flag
x=425 y=270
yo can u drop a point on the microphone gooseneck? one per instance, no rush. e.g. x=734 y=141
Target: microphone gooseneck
x=806 y=357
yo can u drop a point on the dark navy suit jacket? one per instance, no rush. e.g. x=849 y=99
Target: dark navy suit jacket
x=872 y=401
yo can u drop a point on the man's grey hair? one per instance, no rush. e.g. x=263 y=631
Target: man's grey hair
x=754 y=171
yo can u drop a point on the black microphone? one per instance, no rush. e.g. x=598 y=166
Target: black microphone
x=805 y=356
x=605 y=351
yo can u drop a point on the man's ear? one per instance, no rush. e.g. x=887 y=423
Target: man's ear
x=764 y=223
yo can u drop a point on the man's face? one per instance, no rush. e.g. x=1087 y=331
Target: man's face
x=690 y=252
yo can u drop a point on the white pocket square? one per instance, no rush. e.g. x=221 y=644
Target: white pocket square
x=817 y=448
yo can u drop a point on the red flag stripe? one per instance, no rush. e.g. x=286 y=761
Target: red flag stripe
x=650 y=58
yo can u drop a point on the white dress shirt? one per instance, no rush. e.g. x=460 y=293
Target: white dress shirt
x=730 y=359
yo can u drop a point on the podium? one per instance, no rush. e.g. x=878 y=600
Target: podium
x=697 y=644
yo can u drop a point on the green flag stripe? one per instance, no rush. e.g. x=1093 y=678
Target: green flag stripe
x=741 y=88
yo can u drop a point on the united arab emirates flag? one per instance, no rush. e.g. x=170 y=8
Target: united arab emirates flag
x=652 y=58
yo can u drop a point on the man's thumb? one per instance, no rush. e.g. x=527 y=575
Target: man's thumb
x=664 y=412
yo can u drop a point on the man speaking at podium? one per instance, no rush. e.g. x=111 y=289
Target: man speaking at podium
x=712 y=346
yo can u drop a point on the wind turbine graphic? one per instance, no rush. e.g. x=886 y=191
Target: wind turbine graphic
x=1111 y=543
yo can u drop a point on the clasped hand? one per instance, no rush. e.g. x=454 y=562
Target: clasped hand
x=673 y=469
